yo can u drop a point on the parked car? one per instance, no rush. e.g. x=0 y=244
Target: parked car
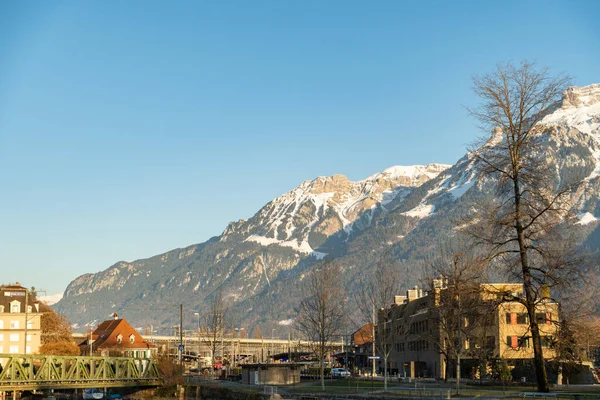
x=340 y=373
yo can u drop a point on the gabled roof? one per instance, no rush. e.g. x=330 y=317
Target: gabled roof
x=363 y=335
x=106 y=336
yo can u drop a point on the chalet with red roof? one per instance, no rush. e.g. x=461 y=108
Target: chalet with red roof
x=117 y=338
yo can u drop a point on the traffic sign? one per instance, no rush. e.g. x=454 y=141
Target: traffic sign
x=374 y=357
x=181 y=347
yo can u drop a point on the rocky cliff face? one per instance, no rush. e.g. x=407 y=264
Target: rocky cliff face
x=304 y=218
x=288 y=235
x=257 y=263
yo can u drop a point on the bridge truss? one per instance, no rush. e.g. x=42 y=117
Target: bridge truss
x=39 y=372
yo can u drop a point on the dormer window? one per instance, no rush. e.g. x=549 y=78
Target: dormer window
x=1 y=309
x=131 y=338
x=15 y=306
x=29 y=309
x=120 y=338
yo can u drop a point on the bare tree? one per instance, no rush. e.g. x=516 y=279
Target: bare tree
x=454 y=276
x=213 y=327
x=374 y=300
x=524 y=222
x=578 y=325
x=320 y=315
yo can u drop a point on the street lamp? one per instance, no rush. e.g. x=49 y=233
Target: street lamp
x=198 y=332
x=272 y=346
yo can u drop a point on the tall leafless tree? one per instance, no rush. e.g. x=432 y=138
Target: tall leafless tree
x=454 y=275
x=578 y=324
x=524 y=224
x=374 y=299
x=321 y=315
x=215 y=321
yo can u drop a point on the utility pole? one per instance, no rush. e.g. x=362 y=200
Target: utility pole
x=374 y=352
x=26 y=312
x=198 y=333
x=181 y=338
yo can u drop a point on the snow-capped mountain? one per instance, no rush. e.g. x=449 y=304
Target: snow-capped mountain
x=258 y=262
x=305 y=217
x=290 y=233
x=572 y=134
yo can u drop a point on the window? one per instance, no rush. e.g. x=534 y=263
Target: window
x=28 y=349
x=524 y=342
x=14 y=349
x=14 y=324
x=1 y=338
x=543 y=318
x=1 y=349
x=522 y=318
x=512 y=342
x=28 y=338
x=1 y=309
x=120 y=338
x=131 y=338
x=547 y=341
x=15 y=306
x=490 y=342
x=14 y=337
x=28 y=309
x=1 y=324
x=512 y=318
x=29 y=324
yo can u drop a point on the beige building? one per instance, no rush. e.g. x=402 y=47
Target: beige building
x=20 y=321
x=419 y=336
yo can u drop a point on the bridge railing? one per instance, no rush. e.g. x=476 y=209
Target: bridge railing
x=17 y=370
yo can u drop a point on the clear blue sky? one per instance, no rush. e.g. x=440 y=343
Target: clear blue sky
x=128 y=128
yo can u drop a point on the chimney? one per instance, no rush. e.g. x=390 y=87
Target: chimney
x=116 y=316
x=412 y=294
x=398 y=300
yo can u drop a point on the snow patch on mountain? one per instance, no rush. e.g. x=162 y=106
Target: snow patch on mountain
x=328 y=205
x=302 y=247
x=586 y=218
x=51 y=298
x=581 y=110
x=420 y=211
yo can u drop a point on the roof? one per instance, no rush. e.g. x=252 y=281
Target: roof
x=106 y=336
x=9 y=293
x=363 y=335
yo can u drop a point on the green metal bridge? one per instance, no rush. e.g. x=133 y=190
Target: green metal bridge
x=37 y=372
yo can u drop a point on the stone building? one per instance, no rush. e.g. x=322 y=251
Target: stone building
x=423 y=341
x=20 y=321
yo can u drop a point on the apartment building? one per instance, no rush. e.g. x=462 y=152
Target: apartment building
x=20 y=321
x=422 y=341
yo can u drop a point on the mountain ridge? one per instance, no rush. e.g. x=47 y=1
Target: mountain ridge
x=399 y=211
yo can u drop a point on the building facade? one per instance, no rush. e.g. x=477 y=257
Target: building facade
x=425 y=333
x=116 y=338
x=362 y=348
x=20 y=321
